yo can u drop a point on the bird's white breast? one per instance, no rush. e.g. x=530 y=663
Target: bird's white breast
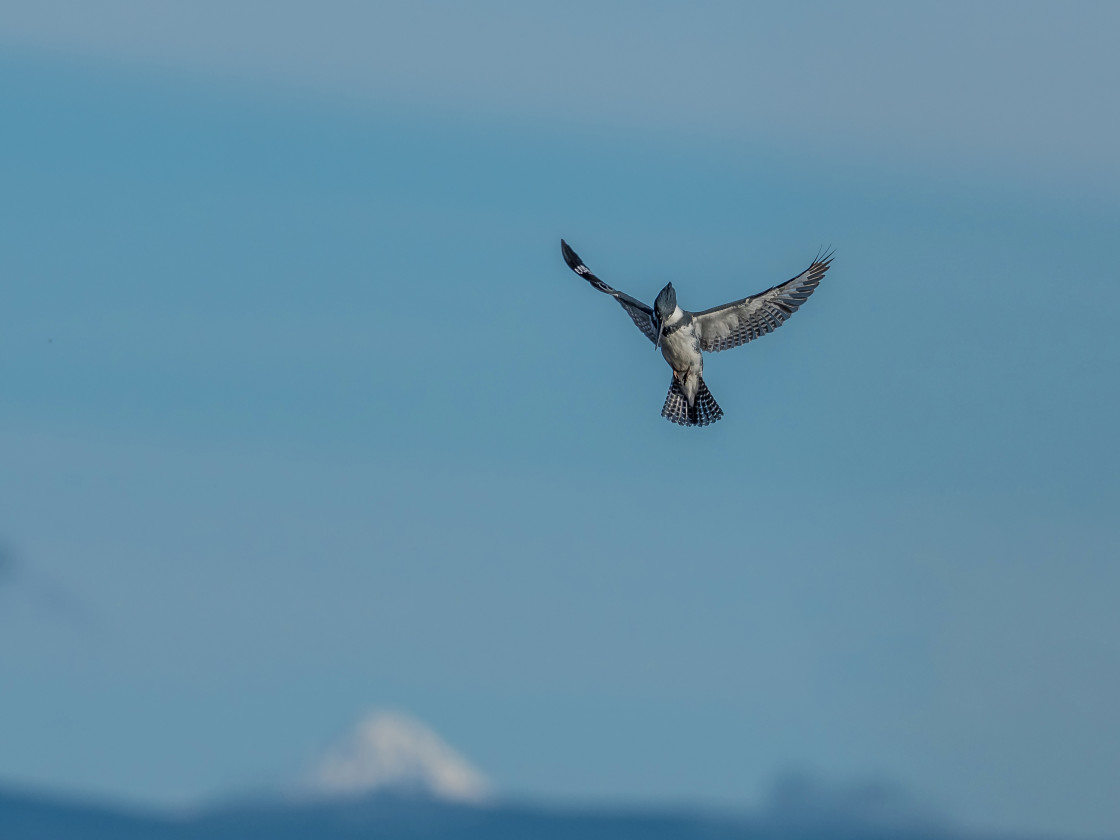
x=681 y=348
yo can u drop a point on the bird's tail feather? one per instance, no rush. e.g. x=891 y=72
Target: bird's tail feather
x=703 y=411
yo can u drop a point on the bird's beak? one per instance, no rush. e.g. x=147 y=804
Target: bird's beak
x=657 y=344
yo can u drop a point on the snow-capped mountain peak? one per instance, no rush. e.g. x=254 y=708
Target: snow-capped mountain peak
x=394 y=752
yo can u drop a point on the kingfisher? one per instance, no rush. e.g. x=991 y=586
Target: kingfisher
x=683 y=336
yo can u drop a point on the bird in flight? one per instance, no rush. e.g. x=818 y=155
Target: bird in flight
x=682 y=335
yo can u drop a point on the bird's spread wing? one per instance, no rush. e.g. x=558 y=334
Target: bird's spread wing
x=737 y=323
x=639 y=313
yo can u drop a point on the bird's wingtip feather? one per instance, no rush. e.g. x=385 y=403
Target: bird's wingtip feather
x=570 y=256
x=824 y=257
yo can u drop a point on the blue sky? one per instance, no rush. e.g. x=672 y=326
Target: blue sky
x=304 y=414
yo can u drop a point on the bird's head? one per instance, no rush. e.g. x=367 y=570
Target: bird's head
x=663 y=307
x=666 y=303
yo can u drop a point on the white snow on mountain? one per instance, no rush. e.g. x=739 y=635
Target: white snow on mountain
x=394 y=752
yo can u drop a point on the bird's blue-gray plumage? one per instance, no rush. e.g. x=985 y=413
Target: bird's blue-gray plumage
x=682 y=336
x=666 y=302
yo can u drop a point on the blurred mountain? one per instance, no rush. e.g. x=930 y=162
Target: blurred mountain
x=392 y=778
x=36 y=817
x=395 y=753
x=384 y=816
x=800 y=800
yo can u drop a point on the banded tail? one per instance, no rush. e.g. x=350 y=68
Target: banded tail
x=677 y=410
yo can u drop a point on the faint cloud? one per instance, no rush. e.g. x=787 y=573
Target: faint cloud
x=394 y=752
